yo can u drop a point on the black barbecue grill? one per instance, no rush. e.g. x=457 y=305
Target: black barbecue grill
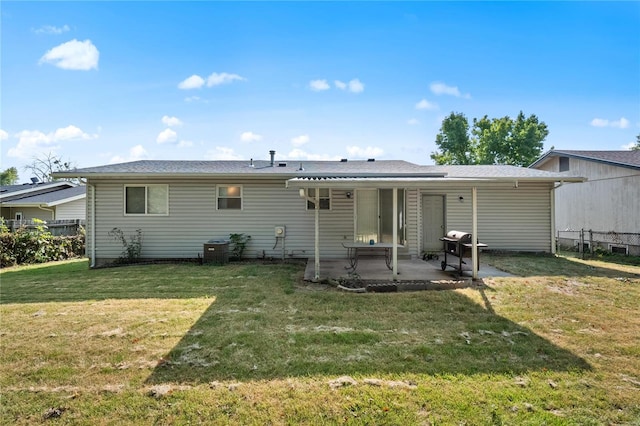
x=457 y=250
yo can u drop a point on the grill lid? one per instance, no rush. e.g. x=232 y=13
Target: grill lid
x=458 y=236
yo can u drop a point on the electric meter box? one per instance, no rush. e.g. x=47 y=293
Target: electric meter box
x=280 y=231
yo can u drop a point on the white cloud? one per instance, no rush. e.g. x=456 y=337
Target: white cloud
x=623 y=123
x=185 y=144
x=222 y=153
x=135 y=153
x=216 y=79
x=599 y=122
x=71 y=132
x=439 y=88
x=250 y=137
x=356 y=86
x=3 y=135
x=425 y=104
x=193 y=82
x=167 y=136
x=171 y=121
x=413 y=121
x=318 y=85
x=192 y=98
x=73 y=55
x=298 y=154
x=31 y=142
x=300 y=140
x=51 y=29
x=368 y=152
x=628 y=146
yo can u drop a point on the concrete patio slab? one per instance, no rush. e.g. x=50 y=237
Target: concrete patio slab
x=374 y=269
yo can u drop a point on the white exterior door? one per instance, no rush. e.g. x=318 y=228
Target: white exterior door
x=432 y=222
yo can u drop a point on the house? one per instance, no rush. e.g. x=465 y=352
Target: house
x=608 y=204
x=46 y=201
x=309 y=209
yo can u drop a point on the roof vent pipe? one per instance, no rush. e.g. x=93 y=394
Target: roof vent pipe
x=273 y=156
x=251 y=163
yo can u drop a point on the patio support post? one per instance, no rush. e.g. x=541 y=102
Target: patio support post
x=317 y=236
x=474 y=231
x=394 y=249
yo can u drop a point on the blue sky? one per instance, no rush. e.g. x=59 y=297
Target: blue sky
x=103 y=82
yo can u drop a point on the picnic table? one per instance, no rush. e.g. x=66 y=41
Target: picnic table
x=355 y=250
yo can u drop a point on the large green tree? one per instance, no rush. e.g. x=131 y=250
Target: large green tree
x=502 y=140
x=636 y=147
x=454 y=142
x=9 y=176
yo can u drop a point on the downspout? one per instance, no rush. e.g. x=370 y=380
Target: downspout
x=53 y=212
x=552 y=200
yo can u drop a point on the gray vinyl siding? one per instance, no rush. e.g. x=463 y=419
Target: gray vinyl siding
x=71 y=210
x=193 y=220
x=509 y=218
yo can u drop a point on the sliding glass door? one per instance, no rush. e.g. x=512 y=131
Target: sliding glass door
x=374 y=215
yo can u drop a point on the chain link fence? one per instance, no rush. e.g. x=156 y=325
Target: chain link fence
x=587 y=242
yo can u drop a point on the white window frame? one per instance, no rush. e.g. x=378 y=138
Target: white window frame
x=228 y=185
x=329 y=198
x=146 y=196
x=19 y=216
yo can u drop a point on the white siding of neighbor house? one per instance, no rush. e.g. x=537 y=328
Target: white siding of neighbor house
x=508 y=219
x=29 y=213
x=608 y=201
x=72 y=210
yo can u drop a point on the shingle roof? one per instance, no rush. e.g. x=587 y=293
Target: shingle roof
x=49 y=198
x=289 y=169
x=617 y=158
x=162 y=167
x=13 y=192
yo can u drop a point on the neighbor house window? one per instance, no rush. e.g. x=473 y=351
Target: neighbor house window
x=146 y=199
x=325 y=198
x=18 y=215
x=229 y=197
x=564 y=164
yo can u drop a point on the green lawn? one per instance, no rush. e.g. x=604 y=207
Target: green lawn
x=253 y=344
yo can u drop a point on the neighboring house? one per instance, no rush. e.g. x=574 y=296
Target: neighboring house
x=45 y=201
x=609 y=202
x=180 y=205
